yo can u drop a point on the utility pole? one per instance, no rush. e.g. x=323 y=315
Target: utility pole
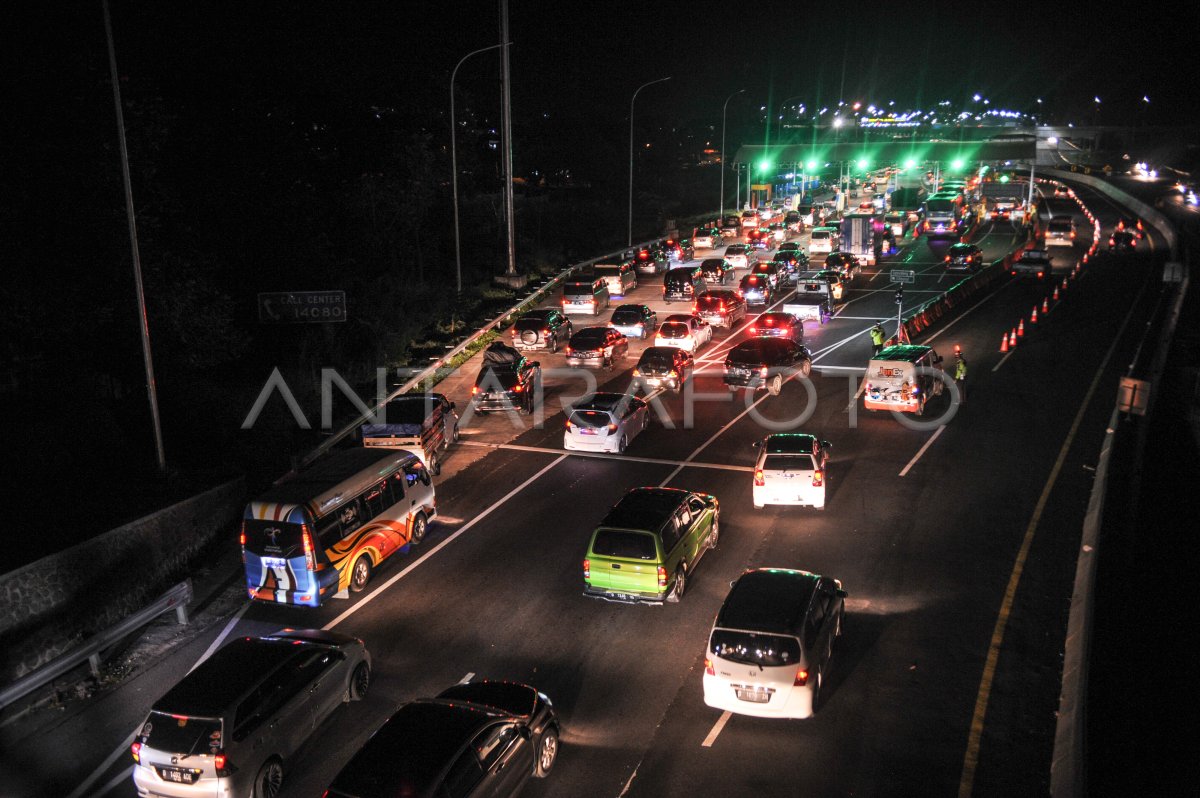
x=143 y=321
x=510 y=269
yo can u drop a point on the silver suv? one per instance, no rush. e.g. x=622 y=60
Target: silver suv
x=229 y=727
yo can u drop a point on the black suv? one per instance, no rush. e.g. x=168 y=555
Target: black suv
x=664 y=367
x=231 y=725
x=544 y=328
x=765 y=363
x=680 y=251
x=964 y=258
x=717 y=271
x=474 y=739
x=507 y=381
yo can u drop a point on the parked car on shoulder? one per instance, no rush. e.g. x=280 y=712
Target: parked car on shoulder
x=664 y=367
x=542 y=328
x=770 y=645
x=507 y=381
x=605 y=422
x=234 y=723
x=634 y=321
x=764 y=363
x=648 y=545
x=596 y=347
x=475 y=739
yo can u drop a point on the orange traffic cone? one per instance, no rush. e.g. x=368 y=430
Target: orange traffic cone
x=1064 y=283
x=1056 y=293
x=1033 y=317
x=1085 y=257
x=1021 y=328
x=1003 y=343
x=1046 y=305
x=1012 y=338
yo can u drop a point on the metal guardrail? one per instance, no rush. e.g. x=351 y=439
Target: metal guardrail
x=177 y=598
x=502 y=320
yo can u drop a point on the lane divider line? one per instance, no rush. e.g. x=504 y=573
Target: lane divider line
x=971 y=755
x=716 y=729
x=606 y=456
x=921 y=451
x=415 y=563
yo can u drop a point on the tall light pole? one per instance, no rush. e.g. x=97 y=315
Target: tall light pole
x=454 y=160
x=510 y=268
x=721 y=212
x=629 y=242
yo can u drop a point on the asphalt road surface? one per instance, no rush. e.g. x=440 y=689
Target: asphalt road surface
x=955 y=543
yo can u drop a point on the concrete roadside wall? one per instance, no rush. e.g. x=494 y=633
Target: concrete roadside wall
x=50 y=605
x=1160 y=222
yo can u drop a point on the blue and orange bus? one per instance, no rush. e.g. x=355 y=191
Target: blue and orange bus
x=326 y=529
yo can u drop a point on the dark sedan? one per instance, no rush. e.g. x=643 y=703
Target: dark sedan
x=598 y=347
x=1122 y=241
x=664 y=367
x=964 y=258
x=765 y=363
x=844 y=263
x=474 y=739
x=778 y=325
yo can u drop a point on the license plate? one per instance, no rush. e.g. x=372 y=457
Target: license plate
x=178 y=775
x=754 y=696
x=274 y=562
x=586 y=431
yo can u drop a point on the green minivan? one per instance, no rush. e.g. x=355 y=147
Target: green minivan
x=648 y=544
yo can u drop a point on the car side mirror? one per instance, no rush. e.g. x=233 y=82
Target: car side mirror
x=453 y=406
x=826 y=444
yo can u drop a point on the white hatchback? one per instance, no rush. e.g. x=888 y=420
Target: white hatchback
x=683 y=332
x=791 y=470
x=605 y=423
x=770 y=645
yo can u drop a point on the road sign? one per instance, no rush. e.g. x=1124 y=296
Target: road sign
x=301 y=307
x=903 y=276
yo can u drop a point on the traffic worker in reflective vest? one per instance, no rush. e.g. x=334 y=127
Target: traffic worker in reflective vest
x=876 y=338
x=960 y=376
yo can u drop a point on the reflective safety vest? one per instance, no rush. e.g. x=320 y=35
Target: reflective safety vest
x=960 y=371
x=877 y=336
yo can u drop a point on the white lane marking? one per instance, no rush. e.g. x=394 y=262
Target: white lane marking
x=104 y=766
x=450 y=520
x=1011 y=352
x=379 y=590
x=237 y=616
x=840 y=368
x=921 y=451
x=125 y=775
x=716 y=729
x=467 y=679
x=608 y=456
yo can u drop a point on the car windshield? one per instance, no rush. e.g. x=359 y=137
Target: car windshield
x=181 y=735
x=626 y=316
x=623 y=543
x=788 y=462
x=673 y=329
x=590 y=418
x=752 y=648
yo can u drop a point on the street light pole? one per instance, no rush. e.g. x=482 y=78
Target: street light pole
x=721 y=213
x=629 y=242
x=454 y=161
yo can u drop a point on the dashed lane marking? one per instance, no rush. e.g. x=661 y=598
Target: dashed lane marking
x=609 y=456
x=716 y=729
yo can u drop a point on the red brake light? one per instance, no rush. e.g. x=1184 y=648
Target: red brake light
x=762 y=372
x=310 y=561
x=474 y=390
x=947 y=259
x=708 y=667
x=569 y=424
x=518 y=388
x=662 y=577
x=753 y=330
x=136 y=750
x=801 y=678
x=587 y=569
x=220 y=763
x=674 y=373
x=612 y=428
x=242 y=536
x=758 y=477
x=818 y=479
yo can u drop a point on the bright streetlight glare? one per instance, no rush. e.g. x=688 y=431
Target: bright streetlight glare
x=977 y=98
x=910 y=163
x=764 y=165
x=812 y=165
x=862 y=163
x=956 y=164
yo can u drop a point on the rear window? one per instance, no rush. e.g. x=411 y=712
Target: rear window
x=590 y=337
x=607 y=269
x=1060 y=225
x=626 y=316
x=578 y=289
x=623 y=543
x=271 y=537
x=673 y=329
x=590 y=418
x=181 y=735
x=751 y=648
x=656 y=360
x=789 y=462
x=820 y=234
x=710 y=303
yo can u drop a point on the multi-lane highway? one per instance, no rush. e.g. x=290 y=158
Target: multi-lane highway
x=955 y=543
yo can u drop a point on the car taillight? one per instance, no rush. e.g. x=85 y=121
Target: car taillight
x=474 y=390
x=762 y=372
x=567 y=350
x=242 y=535
x=695 y=308
x=545 y=331
x=759 y=480
x=753 y=330
x=569 y=425
x=947 y=259
x=818 y=479
x=220 y=763
x=518 y=388
x=1133 y=242
x=722 y=306
x=708 y=667
x=310 y=560
x=1072 y=234
x=136 y=751
x=637 y=372
x=1112 y=242
x=587 y=569
x=612 y=428
x=801 y=678
x=662 y=577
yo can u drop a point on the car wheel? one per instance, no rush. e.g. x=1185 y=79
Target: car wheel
x=680 y=585
x=360 y=681
x=547 y=753
x=454 y=438
x=775 y=385
x=554 y=346
x=714 y=534
x=623 y=444
x=269 y=780
x=360 y=574
x=806 y=368
x=420 y=526
x=435 y=464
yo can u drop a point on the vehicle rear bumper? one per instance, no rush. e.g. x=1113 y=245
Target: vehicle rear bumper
x=719 y=694
x=803 y=497
x=899 y=405
x=590 y=443
x=619 y=597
